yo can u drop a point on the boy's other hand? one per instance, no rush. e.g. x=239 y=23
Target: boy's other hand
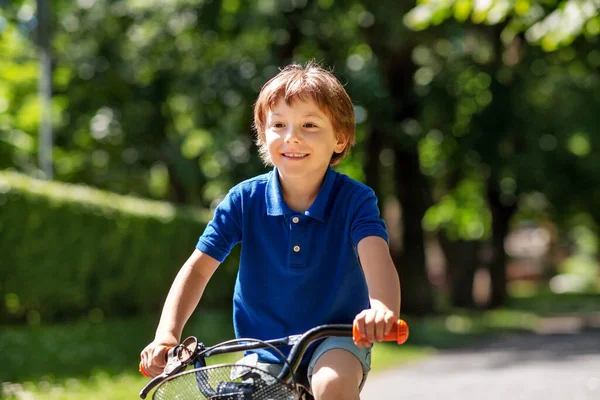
x=153 y=358
x=373 y=324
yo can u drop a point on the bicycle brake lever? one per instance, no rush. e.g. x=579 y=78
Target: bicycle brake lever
x=174 y=365
x=154 y=382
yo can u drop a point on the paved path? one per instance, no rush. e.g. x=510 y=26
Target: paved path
x=512 y=367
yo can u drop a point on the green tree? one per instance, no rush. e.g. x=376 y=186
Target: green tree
x=514 y=112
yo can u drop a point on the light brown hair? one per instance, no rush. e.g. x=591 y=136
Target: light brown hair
x=298 y=82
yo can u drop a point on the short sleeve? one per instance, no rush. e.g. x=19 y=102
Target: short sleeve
x=366 y=220
x=224 y=230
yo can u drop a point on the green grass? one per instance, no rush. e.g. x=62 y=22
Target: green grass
x=545 y=303
x=87 y=360
x=387 y=355
x=98 y=386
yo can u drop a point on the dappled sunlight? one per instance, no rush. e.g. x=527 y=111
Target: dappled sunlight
x=474 y=124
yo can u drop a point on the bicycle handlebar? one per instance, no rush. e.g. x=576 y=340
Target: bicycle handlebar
x=398 y=334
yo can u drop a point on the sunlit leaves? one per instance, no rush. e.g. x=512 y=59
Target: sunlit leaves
x=433 y=153
x=141 y=76
x=508 y=106
x=325 y=4
x=180 y=77
x=549 y=27
x=20 y=141
x=3 y=101
x=358 y=57
x=564 y=24
x=158 y=184
x=462 y=10
x=462 y=213
x=579 y=144
x=19 y=107
x=522 y=7
x=27 y=117
x=18 y=74
x=196 y=142
x=68 y=164
x=230 y=6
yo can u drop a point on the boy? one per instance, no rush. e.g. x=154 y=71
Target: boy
x=303 y=229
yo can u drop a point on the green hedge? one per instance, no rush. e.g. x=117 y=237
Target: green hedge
x=68 y=251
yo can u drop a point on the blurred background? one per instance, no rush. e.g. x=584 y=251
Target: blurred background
x=123 y=123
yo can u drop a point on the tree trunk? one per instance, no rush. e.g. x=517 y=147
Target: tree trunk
x=461 y=264
x=501 y=215
x=46 y=140
x=412 y=189
x=157 y=126
x=372 y=166
x=285 y=52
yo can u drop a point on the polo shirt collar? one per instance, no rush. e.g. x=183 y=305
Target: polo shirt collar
x=274 y=196
x=276 y=204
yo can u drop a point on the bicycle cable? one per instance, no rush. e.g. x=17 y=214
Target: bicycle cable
x=269 y=345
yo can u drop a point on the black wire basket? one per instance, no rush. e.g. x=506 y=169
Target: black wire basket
x=225 y=382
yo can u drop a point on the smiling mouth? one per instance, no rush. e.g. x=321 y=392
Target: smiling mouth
x=296 y=156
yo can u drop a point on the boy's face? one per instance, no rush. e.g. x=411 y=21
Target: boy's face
x=300 y=138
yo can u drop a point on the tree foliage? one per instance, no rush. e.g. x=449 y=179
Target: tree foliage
x=468 y=111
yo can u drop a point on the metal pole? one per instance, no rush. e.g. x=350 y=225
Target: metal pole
x=45 y=88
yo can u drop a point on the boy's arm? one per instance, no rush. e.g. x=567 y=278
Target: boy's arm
x=384 y=289
x=183 y=297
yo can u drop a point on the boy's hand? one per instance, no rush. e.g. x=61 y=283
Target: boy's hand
x=153 y=358
x=374 y=324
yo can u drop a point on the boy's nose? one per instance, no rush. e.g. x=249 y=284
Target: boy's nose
x=292 y=136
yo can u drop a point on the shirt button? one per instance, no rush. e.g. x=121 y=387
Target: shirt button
x=295 y=220
x=296 y=248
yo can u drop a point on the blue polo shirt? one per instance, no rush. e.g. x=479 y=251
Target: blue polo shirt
x=297 y=270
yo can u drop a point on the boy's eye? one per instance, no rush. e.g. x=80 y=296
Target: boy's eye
x=310 y=125
x=278 y=125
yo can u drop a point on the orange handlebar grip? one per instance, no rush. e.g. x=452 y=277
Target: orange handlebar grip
x=398 y=334
x=143 y=371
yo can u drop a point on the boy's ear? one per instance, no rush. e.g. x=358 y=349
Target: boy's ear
x=342 y=141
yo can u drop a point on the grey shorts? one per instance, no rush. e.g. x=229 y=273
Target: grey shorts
x=363 y=355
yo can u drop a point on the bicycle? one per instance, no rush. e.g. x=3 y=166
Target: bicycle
x=242 y=382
